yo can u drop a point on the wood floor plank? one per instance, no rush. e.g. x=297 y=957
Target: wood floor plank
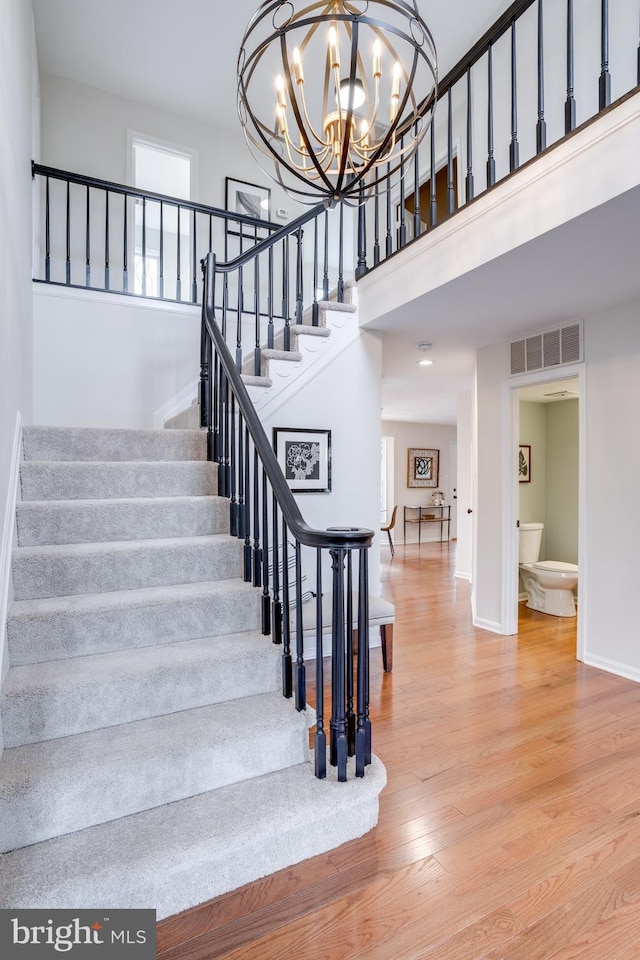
x=510 y=825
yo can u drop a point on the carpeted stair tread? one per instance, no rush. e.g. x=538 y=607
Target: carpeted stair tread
x=89 y=443
x=59 y=698
x=43 y=522
x=58 y=787
x=181 y=854
x=68 y=569
x=56 y=480
x=57 y=628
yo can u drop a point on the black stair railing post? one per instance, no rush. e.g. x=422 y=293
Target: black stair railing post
x=205 y=368
x=514 y=148
x=570 y=104
x=363 y=723
x=301 y=683
x=320 y=740
x=351 y=716
x=233 y=467
x=242 y=513
x=275 y=564
x=361 y=267
x=468 y=183
x=491 y=163
x=287 y=666
x=338 y=722
x=257 y=550
x=604 y=85
x=541 y=126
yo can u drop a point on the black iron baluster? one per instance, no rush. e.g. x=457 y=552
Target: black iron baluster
x=257 y=550
x=287 y=666
x=106 y=240
x=341 y=256
x=468 y=183
x=325 y=275
x=491 y=163
x=299 y=277
x=402 y=232
x=363 y=728
x=314 y=306
x=125 y=268
x=320 y=742
x=376 y=224
x=277 y=603
x=161 y=263
x=87 y=271
x=301 y=682
x=257 y=356
x=514 y=148
x=361 y=267
x=451 y=187
x=47 y=234
x=286 y=335
x=233 y=472
x=144 y=246
x=194 y=285
x=247 y=508
x=417 y=222
x=338 y=724
x=238 y=326
x=638 y=71
x=604 y=86
x=570 y=104
x=68 y=262
x=178 y=279
x=266 y=598
x=433 y=198
x=270 y=328
x=389 y=234
x=541 y=126
x=242 y=510
x=350 y=716
x=210 y=232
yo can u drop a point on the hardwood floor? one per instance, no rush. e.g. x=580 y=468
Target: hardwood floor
x=510 y=825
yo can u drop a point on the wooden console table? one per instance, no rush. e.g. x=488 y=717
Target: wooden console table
x=428 y=514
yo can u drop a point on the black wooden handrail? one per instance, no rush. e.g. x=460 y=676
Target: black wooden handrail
x=334 y=538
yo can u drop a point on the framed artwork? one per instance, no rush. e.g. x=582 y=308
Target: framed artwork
x=423 y=467
x=524 y=463
x=247 y=200
x=305 y=458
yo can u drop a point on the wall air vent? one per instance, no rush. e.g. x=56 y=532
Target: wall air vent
x=551 y=348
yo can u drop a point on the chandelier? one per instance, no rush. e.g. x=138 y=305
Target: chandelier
x=336 y=93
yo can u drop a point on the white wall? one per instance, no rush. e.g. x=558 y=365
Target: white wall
x=102 y=360
x=466 y=485
x=424 y=435
x=18 y=119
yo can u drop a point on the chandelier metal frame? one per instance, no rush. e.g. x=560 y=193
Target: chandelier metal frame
x=340 y=157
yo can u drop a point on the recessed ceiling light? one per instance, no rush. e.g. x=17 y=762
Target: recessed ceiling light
x=425 y=363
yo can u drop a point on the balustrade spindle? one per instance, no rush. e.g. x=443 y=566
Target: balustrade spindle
x=301 y=683
x=194 y=283
x=350 y=713
x=363 y=727
x=417 y=223
x=125 y=271
x=541 y=126
x=376 y=223
x=389 y=233
x=514 y=148
x=286 y=335
x=468 y=183
x=233 y=470
x=320 y=740
x=87 y=275
x=106 y=240
x=161 y=253
x=338 y=724
x=257 y=551
x=402 y=232
x=287 y=666
x=341 y=257
x=361 y=267
x=178 y=265
x=325 y=275
x=247 y=508
x=144 y=246
x=257 y=356
x=299 y=278
x=47 y=233
x=68 y=232
x=491 y=163
x=570 y=104
x=451 y=187
x=239 y=324
x=277 y=603
x=270 y=325
x=266 y=597
x=433 y=196
x=242 y=507
x=315 y=317
x=604 y=85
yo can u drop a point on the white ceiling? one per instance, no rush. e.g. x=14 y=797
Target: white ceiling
x=181 y=56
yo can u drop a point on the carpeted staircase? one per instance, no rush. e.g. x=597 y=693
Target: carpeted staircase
x=150 y=759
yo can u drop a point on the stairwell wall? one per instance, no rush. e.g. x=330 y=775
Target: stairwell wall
x=18 y=121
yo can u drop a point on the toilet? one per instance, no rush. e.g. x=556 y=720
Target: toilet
x=549 y=583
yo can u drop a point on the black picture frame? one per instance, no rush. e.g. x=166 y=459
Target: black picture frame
x=305 y=458
x=245 y=199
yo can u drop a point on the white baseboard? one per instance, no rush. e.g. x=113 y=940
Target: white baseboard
x=490 y=625
x=462 y=575
x=612 y=666
x=6 y=544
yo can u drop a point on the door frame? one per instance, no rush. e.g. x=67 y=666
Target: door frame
x=510 y=485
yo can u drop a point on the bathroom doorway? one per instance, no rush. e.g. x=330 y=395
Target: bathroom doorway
x=548 y=467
